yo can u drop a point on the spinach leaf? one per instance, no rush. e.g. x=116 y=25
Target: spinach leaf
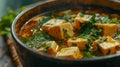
x=92 y=20
x=105 y=19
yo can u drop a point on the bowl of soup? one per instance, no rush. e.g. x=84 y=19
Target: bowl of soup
x=68 y=33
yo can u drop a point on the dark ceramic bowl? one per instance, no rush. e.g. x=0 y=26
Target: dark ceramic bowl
x=31 y=58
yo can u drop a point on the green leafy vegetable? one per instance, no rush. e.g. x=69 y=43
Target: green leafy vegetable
x=37 y=39
x=90 y=31
x=6 y=20
x=94 y=18
x=88 y=54
x=115 y=20
x=105 y=19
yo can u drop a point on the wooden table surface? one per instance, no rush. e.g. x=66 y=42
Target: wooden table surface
x=5 y=58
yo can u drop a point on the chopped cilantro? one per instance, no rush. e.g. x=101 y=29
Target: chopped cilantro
x=87 y=54
x=44 y=20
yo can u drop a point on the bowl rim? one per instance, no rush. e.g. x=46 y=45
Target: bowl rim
x=15 y=37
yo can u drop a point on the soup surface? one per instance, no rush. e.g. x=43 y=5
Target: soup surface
x=73 y=33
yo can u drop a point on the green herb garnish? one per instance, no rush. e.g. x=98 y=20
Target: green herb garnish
x=6 y=20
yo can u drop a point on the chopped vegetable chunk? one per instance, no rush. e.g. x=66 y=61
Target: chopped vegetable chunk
x=70 y=52
x=108 y=29
x=58 y=28
x=81 y=19
x=109 y=47
x=51 y=23
x=53 y=47
x=80 y=42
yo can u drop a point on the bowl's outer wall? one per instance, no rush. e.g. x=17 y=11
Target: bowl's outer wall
x=29 y=57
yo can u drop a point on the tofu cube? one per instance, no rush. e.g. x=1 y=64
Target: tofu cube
x=56 y=32
x=80 y=42
x=67 y=29
x=81 y=19
x=109 y=47
x=69 y=52
x=51 y=23
x=53 y=47
x=108 y=29
x=58 y=28
x=95 y=44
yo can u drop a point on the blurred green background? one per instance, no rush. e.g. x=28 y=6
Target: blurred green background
x=4 y=4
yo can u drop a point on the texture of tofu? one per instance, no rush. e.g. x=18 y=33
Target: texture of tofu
x=69 y=52
x=58 y=28
x=53 y=47
x=95 y=44
x=56 y=32
x=51 y=23
x=109 y=47
x=81 y=19
x=67 y=29
x=80 y=42
x=108 y=29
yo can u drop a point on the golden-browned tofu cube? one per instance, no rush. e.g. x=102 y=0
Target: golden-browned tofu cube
x=67 y=29
x=95 y=44
x=81 y=19
x=108 y=29
x=51 y=23
x=69 y=52
x=109 y=47
x=58 y=28
x=53 y=47
x=56 y=32
x=80 y=42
